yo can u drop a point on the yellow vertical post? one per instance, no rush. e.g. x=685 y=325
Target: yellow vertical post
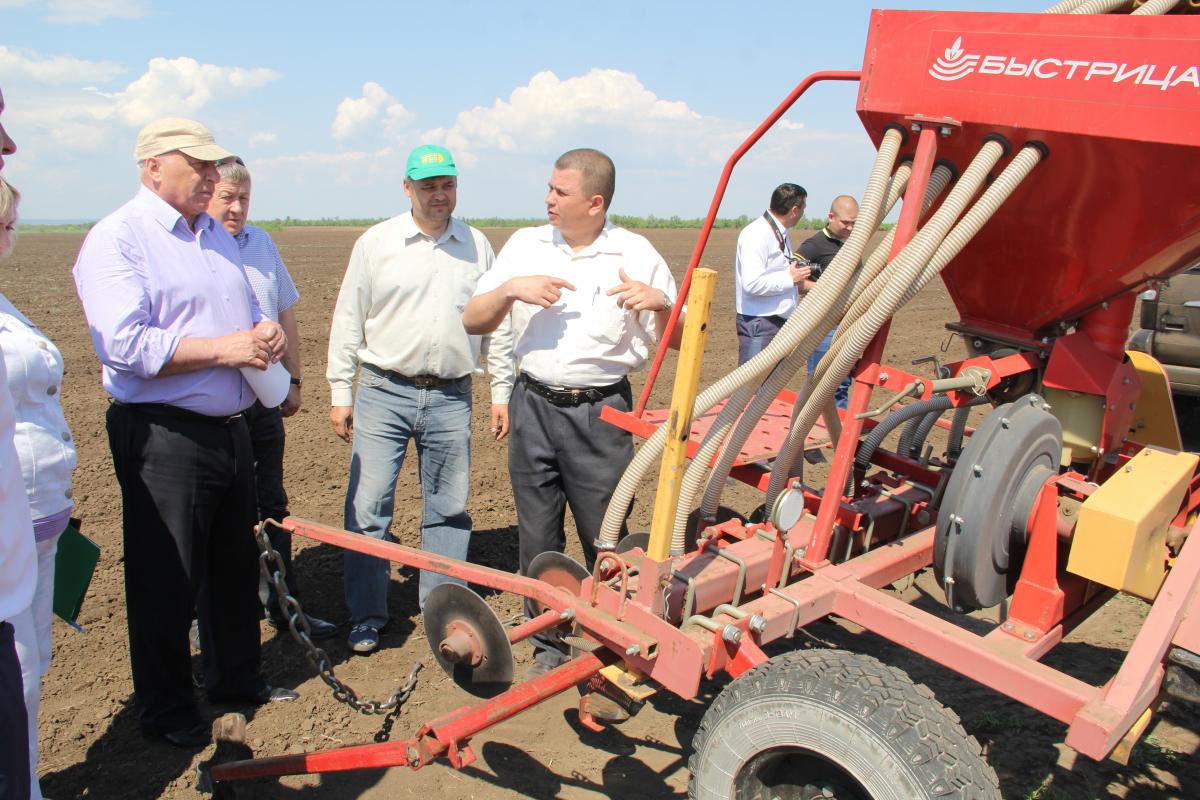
x=679 y=422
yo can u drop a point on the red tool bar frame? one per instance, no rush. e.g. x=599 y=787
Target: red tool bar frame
x=711 y=218
x=448 y=732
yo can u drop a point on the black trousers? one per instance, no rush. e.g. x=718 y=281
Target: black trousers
x=560 y=456
x=187 y=491
x=14 y=726
x=266 y=441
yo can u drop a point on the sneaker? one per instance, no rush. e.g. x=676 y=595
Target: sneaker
x=363 y=638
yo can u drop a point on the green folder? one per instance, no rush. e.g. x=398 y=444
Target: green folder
x=73 y=568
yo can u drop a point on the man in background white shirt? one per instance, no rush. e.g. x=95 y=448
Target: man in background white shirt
x=767 y=276
x=398 y=318
x=587 y=301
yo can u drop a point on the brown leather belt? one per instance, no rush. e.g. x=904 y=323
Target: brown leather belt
x=566 y=397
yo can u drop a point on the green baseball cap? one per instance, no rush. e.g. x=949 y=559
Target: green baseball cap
x=429 y=161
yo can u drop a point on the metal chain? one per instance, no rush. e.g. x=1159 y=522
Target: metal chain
x=298 y=624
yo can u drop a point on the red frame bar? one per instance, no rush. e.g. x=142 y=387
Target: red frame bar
x=715 y=205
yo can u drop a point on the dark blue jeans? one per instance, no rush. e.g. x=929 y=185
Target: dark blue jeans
x=842 y=396
x=755 y=333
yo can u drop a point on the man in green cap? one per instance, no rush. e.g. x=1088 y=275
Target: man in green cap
x=398 y=323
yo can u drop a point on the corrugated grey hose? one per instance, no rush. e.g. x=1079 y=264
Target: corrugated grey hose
x=1065 y=7
x=938 y=180
x=1098 y=6
x=957 y=428
x=1155 y=7
x=910 y=430
x=698 y=469
x=902 y=272
x=926 y=425
x=911 y=412
x=1021 y=165
x=822 y=302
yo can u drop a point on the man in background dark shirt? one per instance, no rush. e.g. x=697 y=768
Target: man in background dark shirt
x=820 y=249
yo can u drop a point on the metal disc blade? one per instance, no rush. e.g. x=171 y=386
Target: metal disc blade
x=454 y=609
x=632 y=541
x=559 y=570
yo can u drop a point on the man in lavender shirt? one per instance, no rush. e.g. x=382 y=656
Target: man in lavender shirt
x=172 y=319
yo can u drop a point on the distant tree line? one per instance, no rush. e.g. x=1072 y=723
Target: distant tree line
x=813 y=223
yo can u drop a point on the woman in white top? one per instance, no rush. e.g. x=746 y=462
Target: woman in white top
x=47 y=455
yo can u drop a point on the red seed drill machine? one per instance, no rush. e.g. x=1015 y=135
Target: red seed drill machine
x=1046 y=169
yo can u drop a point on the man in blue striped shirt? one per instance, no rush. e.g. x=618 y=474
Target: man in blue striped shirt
x=277 y=296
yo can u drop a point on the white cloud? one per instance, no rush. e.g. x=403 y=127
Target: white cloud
x=546 y=108
x=355 y=114
x=183 y=86
x=85 y=12
x=88 y=120
x=54 y=70
x=261 y=138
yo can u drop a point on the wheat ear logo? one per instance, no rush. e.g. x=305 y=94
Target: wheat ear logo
x=954 y=63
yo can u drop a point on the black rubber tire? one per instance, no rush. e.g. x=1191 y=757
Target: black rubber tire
x=874 y=732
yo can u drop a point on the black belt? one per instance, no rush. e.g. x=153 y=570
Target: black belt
x=573 y=397
x=420 y=381
x=175 y=412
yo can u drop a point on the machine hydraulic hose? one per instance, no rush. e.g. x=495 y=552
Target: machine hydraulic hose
x=823 y=301
x=903 y=269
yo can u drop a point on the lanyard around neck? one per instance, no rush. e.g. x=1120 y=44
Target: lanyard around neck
x=779 y=237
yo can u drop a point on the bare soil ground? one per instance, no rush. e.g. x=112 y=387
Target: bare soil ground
x=89 y=737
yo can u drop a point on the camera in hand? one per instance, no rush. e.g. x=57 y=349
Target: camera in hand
x=814 y=269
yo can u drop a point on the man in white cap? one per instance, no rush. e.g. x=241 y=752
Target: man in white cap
x=398 y=319
x=173 y=320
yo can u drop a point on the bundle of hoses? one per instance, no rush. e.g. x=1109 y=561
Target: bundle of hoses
x=870 y=308
x=866 y=276
x=1148 y=8
x=925 y=256
x=803 y=331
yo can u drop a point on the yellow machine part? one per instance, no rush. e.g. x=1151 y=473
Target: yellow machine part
x=630 y=682
x=1120 y=538
x=1154 y=421
x=1082 y=417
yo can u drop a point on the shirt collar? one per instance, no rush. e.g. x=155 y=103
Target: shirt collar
x=243 y=236
x=409 y=230
x=166 y=214
x=605 y=242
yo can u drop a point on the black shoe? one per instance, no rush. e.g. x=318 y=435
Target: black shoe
x=318 y=628
x=192 y=737
x=267 y=694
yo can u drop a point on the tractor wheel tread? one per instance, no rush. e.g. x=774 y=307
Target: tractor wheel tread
x=918 y=729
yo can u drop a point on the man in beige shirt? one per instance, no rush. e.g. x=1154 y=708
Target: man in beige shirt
x=398 y=319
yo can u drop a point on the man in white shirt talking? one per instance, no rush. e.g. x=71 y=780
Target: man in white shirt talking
x=767 y=276
x=398 y=319
x=587 y=300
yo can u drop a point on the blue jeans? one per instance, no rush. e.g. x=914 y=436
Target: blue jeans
x=841 y=397
x=389 y=411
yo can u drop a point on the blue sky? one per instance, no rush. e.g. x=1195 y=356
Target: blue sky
x=324 y=101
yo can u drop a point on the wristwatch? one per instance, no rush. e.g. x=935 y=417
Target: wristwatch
x=669 y=302
x=295 y=381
